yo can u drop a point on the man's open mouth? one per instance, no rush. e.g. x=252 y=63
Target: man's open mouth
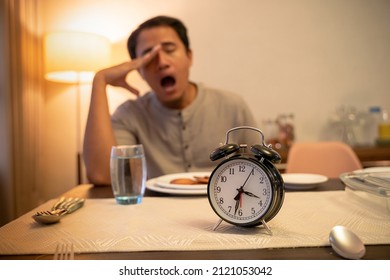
x=168 y=81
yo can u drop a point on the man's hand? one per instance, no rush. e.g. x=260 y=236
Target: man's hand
x=116 y=75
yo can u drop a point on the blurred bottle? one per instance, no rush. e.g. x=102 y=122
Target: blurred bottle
x=286 y=129
x=375 y=118
x=270 y=131
x=362 y=128
x=384 y=129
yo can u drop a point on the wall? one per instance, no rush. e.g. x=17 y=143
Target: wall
x=6 y=193
x=305 y=57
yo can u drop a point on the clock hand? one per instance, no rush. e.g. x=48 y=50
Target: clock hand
x=250 y=173
x=237 y=197
x=236 y=208
x=250 y=194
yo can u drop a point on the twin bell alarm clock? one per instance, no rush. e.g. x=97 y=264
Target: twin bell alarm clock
x=245 y=189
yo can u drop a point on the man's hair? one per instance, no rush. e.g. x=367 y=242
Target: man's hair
x=174 y=23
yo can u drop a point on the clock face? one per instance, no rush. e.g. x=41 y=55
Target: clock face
x=241 y=192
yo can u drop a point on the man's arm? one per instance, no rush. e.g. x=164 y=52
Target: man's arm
x=99 y=134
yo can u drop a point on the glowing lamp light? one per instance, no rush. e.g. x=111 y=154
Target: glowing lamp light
x=74 y=57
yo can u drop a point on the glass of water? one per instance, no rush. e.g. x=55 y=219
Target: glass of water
x=128 y=173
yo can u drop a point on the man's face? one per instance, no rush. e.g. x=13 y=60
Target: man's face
x=168 y=72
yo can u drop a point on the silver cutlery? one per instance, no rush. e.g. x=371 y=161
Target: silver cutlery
x=71 y=204
x=64 y=252
x=60 y=209
x=346 y=243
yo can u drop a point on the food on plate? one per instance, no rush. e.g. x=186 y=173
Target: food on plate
x=202 y=180
x=189 y=181
x=183 y=181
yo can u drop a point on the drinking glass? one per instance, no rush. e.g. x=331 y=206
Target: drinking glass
x=128 y=173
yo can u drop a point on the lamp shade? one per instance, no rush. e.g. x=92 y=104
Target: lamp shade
x=74 y=57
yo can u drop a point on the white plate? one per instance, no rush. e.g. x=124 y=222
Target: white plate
x=151 y=185
x=164 y=181
x=302 y=181
x=373 y=169
x=154 y=184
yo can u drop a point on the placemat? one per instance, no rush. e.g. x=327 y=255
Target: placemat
x=185 y=223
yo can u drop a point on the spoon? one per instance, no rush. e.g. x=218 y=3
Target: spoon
x=346 y=243
x=49 y=217
x=55 y=215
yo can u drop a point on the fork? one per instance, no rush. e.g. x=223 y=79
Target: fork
x=64 y=252
x=71 y=204
x=62 y=207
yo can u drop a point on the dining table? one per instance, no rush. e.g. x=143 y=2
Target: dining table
x=179 y=227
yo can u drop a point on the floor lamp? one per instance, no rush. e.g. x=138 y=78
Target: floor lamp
x=73 y=57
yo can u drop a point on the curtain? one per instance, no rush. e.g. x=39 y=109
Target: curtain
x=25 y=99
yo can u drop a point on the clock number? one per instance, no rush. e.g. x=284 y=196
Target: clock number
x=261 y=180
x=221 y=200
x=264 y=191
x=241 y=168
x=223 y=179
x=218 y=189
x=253 y=211
x=231 y=171
x=240 y=212
x=260 y=203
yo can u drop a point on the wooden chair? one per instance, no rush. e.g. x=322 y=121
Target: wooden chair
x=326 y=158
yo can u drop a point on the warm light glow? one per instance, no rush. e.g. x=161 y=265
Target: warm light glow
x=72 y=57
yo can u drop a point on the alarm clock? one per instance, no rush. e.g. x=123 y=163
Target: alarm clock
x=245 y=189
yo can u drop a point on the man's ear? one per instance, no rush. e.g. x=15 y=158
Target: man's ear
x=190 y=56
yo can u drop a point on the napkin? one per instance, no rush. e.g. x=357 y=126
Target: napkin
x=185 y=223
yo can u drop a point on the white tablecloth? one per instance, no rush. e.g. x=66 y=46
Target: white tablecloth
x=185 y=223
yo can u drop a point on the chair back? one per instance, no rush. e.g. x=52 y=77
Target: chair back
x=326 y=158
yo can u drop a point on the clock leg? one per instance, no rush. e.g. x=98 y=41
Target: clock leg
x=217 y=224
x=266 y=227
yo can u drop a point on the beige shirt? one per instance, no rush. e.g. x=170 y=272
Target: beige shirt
x=182 y=140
